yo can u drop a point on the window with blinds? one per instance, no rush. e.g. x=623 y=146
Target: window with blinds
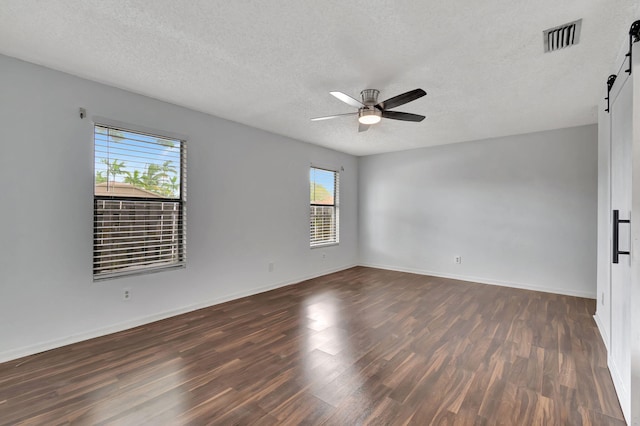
x=139 y=203
x=324 y=223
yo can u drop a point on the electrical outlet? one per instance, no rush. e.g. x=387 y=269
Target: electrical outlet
x=271 y=266
x=324 y=255
x=126 y=293
x=458 y=259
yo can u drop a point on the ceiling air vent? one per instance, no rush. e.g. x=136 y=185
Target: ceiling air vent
x=557 y=38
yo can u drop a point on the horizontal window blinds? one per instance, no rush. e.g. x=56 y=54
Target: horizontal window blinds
x=324 y=219
x=139 y=202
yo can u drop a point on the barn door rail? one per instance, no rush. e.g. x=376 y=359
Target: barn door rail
x=616 y=235
x=634 y=37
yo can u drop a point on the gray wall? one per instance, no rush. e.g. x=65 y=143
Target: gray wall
x=520 y=210
x=248 y=194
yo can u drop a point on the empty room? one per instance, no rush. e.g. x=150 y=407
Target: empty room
x=322 y=213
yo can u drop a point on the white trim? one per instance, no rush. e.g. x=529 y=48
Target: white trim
x=523 y=286
x=57 y=343
x=335 y=205
x=178 y=242
x=603 y=332
x=618 y=384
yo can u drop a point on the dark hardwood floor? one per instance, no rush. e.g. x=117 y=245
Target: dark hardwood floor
x=361 y=346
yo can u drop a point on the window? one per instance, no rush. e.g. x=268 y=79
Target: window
x=139 y=202
x=324 y=221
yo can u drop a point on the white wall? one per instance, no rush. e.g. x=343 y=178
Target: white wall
x=520 y=210
x=247 y=206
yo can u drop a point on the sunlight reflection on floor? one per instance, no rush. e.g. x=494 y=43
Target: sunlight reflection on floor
x=327 y=355
x=163 y=395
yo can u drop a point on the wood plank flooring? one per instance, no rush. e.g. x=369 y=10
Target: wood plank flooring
x=361 y=346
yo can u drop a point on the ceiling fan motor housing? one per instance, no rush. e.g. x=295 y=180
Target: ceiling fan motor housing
x=369 y=96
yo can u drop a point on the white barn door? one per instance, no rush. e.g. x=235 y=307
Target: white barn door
x=621 y=114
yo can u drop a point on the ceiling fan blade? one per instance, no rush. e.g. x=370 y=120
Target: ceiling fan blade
x=402 y=99
x=363 y=127
x=404 y=116
x=328 y=117
x=348 y=99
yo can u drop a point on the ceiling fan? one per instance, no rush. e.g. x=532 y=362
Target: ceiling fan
x=370 y=111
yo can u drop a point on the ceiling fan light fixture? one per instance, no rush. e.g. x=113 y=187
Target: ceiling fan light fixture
x=369 y=116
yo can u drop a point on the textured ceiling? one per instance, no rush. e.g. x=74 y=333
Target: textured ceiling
x=272 y=64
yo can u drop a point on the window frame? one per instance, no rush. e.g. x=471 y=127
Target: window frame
x=181 y=201
x=335 y=206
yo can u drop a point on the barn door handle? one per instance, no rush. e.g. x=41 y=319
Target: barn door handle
x=616 y=224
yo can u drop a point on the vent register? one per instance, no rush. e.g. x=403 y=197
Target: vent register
x=565 y=35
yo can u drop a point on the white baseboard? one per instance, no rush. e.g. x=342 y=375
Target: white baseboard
x=57 y=343
x=585 y=294
x=623 y=394
x=603 y=332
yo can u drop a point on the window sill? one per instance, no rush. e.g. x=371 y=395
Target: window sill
x=138 y=271
x=324 y=245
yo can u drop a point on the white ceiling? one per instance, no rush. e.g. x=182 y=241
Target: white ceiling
x=272 y=64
